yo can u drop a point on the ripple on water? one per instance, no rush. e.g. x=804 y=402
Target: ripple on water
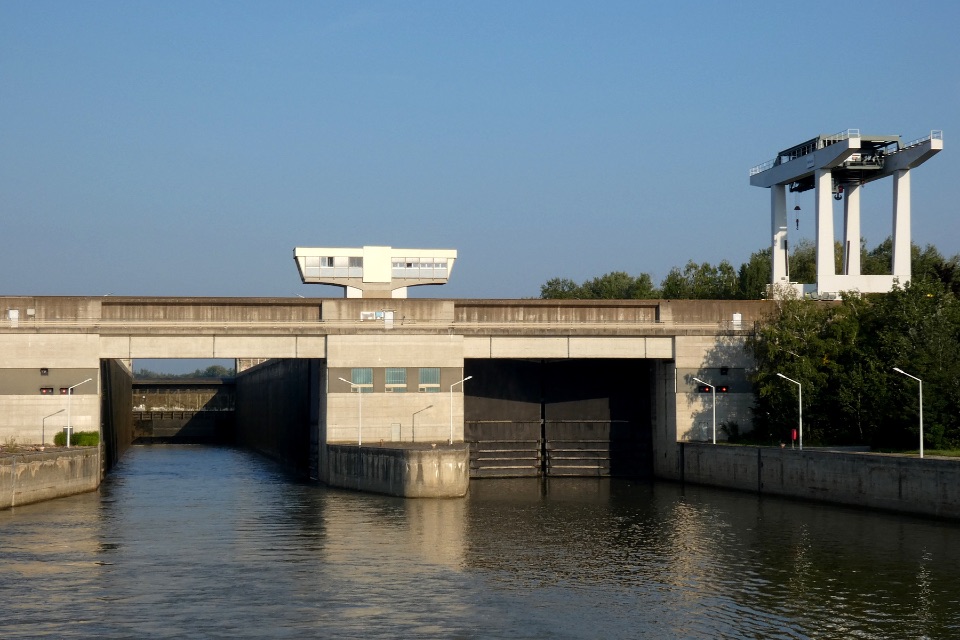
x=207 y=542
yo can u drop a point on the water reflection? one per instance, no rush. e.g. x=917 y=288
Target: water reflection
x=195 y=541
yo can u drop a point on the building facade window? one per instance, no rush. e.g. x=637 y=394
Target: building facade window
x=362 y=378
x=429 y=379
x=396 y=380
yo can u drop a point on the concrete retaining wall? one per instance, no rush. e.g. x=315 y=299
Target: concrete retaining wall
x=116 y=420
x=929 y=486
x=443 y=472
x=274 y=412
x=34 y=477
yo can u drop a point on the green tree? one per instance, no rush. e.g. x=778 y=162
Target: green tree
x=616 y=285
x=701 y=281
x=619 y=285
x=802 y=265
x=877 y=261
x=755 y=275
x=917 y=328
x=560 y=289
x=789 y=343
x=213 y=371
x=674 y=285
x=843 y=355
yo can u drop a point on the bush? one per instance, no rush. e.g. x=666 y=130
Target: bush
x=78 y=439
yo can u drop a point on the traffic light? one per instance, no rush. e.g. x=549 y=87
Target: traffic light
x=705 y=388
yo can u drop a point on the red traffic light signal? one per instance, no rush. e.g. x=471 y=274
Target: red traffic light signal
x=703 y=388
x=723 y=388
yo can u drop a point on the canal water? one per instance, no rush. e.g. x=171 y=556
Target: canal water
x=190 y=541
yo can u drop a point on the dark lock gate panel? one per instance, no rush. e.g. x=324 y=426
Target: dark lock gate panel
x=504 y=449
x=559 y=418
x=595 y=448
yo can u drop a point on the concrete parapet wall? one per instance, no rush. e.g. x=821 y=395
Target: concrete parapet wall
x=405 y=311
x=928 y=486
x=442 y=472
x=34 y=477
x=717 y=312
x=252 y=310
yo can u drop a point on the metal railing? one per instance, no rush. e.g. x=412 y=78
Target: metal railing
x=763 y=166
x=936 y=134
x=821 y=142
x=839 y=137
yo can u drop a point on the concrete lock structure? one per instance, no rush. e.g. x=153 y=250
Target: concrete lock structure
x=512 y=387
x=837 y=166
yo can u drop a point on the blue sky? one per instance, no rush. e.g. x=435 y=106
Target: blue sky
x=185 y=148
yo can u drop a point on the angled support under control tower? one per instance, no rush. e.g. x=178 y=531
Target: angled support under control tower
x=374 y=272
x=837 y=166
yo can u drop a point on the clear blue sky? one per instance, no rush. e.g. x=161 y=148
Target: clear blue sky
x=186 y=147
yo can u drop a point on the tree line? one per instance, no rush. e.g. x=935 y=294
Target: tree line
x=705 y=281
x=213 y=371
x=844 y=357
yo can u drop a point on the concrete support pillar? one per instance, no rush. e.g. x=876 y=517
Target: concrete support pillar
x=826 y=265
x=901 y=225
x=851 y=230
x=778 y=224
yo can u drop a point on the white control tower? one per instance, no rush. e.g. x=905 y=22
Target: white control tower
x=837 y=166
x=374 y=272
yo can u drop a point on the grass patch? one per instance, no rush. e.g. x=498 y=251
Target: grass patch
x=943 y=453
x=947 y=453
x=78 y=439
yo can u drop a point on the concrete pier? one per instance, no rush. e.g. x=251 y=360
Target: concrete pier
x=407 y=471
x=34 y=477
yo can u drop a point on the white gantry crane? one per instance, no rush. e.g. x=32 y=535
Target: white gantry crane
x=837 y=166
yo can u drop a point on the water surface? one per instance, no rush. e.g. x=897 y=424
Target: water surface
x=189 y=541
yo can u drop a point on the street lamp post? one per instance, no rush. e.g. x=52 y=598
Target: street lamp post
x=43 y=427
x=799 y=405
x=359 y=410
x=451 y=405
x=899 y=370
x=713 y=393
x=69 y=396
x=413 y=437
